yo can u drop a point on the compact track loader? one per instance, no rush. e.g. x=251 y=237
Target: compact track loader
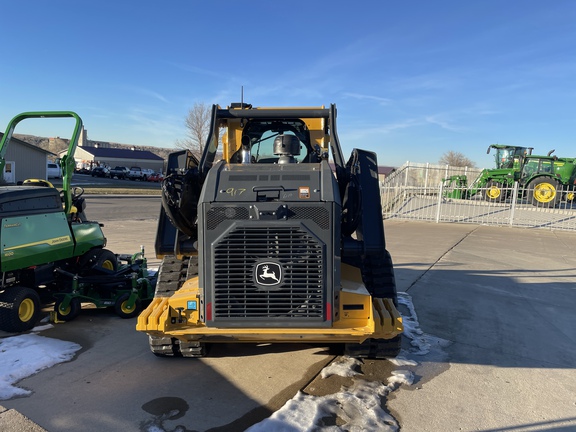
x=272 y=243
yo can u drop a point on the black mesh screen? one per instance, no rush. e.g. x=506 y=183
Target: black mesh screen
x=300 y=295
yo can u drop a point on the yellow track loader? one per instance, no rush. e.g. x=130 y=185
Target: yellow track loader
x=272 y=237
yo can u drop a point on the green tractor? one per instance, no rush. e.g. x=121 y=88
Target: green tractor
x=43 y=230
x=544 y=180
x=548 y=179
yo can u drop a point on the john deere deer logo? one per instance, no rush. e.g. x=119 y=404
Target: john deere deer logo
x=268 y=273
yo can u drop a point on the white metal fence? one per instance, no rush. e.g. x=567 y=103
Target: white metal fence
x=417 y=192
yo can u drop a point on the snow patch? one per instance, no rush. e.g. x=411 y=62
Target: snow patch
x=24 y=355
x=342 y=366
x=401 y=377
x=358 y=407
x=421 y=342
x=401 y=360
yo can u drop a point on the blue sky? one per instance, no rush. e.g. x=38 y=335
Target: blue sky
x=411 y=79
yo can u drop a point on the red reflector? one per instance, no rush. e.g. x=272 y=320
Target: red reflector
x=328 y=312
x=209 y=312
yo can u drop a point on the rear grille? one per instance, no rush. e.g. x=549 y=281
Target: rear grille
x=299 y=296
x=319 y=215
x=216 y=215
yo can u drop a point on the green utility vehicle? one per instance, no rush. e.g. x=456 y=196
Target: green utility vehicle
x=124 y=289
x=41 y=232
x=543 y=180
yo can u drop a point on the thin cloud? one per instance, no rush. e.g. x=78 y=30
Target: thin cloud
x=154 y=124
x=357 y=132
x=443 y=123
x=145 y=92
x=149 y=93
x=380 y=100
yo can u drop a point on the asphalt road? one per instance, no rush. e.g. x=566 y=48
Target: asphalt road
x=503 y=299
x=86 y=180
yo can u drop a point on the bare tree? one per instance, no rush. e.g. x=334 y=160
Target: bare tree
x=197 y=124
x=457 y=159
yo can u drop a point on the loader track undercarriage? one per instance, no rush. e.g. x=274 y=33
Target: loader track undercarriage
x=171 y=276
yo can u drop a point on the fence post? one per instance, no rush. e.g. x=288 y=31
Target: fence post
x=514 y=199
x=406 y=174
x=426 y=176
x=439 y=204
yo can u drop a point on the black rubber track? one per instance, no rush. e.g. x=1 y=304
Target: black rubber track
x=172 y=274
x=378 y=276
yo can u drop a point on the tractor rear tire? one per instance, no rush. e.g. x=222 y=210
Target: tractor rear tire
x=71 y=312
x=543 y=192
x=122 y=310
x=19 y=309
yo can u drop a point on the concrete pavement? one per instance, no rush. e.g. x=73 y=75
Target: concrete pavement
x=504 y=298
x=12 y=421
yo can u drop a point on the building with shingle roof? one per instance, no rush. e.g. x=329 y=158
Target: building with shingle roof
x=25 y=161
x=89 y=157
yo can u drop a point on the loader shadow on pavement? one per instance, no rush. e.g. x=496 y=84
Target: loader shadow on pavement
x=116 y=383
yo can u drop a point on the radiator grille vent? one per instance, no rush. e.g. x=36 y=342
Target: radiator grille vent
x=299 y=296
x=216 y=215
x=319 y=215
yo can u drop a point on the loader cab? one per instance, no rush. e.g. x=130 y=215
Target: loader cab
x=272 y=141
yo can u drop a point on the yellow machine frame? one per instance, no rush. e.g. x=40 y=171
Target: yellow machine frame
x=368 y=318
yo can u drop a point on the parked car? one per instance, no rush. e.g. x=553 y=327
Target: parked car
x=137 y=173
x=156 y=177
x=100 y=172
x=53 y=170
x=119 y=172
